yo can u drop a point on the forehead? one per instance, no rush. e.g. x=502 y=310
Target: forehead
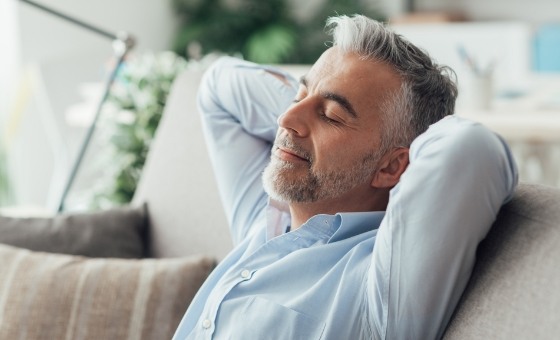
x=365 y=83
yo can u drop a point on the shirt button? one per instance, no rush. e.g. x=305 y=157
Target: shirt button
x=245 y=274
x=206 y=324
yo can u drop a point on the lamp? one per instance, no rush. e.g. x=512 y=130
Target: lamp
x=122 y=44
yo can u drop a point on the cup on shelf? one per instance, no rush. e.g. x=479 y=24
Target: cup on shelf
x=479 y=83
x=481 y=90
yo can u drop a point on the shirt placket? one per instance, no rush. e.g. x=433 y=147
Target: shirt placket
x=208 y=317
x=266 y=254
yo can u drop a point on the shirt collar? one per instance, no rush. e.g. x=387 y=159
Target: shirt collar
x=356 y=223
x=339 y=227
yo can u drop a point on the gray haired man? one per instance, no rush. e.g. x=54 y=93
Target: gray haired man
x=355 y=198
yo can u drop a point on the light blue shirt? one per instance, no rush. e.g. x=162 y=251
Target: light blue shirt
x=370 y=275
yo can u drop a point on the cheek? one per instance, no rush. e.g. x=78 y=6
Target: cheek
x=335 y=153
x=344 y=152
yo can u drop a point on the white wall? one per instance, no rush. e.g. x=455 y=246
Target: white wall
x=45 y=37
x=9 y=66
x=9 y=58
x=304 y=9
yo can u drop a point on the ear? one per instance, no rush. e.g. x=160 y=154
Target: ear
x=391 y=167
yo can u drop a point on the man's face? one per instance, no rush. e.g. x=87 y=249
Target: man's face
x=329 y=138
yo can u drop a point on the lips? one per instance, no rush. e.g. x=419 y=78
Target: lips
x=289 y=154
x=288 y=151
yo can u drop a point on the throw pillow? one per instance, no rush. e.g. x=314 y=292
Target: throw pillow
x=111 y=233
x=53 y=296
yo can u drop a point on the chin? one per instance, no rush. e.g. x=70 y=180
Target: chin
x=270 y=181
x=289 y=187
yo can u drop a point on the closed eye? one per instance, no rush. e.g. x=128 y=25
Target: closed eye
x=328 y=119
x=342 y=101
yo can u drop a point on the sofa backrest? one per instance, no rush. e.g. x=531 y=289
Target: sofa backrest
x=514 y=291
x=185 y=213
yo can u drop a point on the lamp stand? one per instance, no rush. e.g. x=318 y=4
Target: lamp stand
x=122 y=44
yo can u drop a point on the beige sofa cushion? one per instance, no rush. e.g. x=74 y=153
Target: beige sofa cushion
x=513 y=292
x=53 y=296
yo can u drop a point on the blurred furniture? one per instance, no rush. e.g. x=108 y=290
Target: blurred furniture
x=503 y=46
x=524 y=107
x=547 y=48
x=530 y=121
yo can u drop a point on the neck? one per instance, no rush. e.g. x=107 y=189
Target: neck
x=373 y=200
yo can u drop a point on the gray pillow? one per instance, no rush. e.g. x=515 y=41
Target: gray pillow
x=116 y=232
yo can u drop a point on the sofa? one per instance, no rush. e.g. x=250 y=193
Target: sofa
x=514 y=291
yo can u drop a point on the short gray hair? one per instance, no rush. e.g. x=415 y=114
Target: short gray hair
x=427 y=92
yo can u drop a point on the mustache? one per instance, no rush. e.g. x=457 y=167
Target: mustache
x=286 y=143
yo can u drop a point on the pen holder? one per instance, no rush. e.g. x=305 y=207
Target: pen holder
x=481 y=89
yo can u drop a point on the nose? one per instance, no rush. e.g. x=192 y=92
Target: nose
x=296 y=119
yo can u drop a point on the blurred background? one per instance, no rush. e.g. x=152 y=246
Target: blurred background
x=506 y=54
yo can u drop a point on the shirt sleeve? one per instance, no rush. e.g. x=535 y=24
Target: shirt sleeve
x=459 y=176
x=240 y=103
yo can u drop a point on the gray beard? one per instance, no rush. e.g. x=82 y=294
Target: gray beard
x=315 y=186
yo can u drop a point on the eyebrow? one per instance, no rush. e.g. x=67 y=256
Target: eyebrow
x=341 y=100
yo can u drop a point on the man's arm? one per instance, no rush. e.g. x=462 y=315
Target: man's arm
x=459 y=175
x=240 y=103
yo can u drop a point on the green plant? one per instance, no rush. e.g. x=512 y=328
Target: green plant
x=236 y=26
x=312 y=36
x=264 y=31
x=131 y=116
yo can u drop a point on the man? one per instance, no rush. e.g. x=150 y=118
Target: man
x=365 y=221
